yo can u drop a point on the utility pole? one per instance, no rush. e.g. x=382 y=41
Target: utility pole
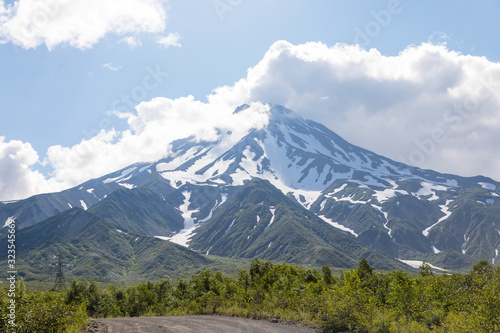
x=59 y=284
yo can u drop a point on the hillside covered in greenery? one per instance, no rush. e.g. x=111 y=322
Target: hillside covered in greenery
x=360 y=300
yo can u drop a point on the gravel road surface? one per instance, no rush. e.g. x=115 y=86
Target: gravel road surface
x=191 y=324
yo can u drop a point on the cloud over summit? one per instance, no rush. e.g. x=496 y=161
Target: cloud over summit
x=432 y=101
x=427 y=106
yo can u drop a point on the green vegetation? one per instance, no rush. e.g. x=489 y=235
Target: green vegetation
x=242 y=228
x=40 y=311
x=360 y=300
x=96 y=249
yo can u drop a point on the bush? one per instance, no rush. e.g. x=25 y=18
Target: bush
x=42 y=312
x=360 y=300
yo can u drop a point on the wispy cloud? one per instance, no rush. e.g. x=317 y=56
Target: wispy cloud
x=78 y=23
x=172 y=39
x=438 y=37
x=131 y=41
x=110 y=66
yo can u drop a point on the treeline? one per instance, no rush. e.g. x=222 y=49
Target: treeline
x=359 y=300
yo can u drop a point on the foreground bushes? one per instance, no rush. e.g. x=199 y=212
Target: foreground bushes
x=41 y=312
x=360 y=300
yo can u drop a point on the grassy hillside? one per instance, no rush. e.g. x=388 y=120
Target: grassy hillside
x=97 y=249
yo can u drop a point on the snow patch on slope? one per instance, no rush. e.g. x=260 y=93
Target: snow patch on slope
x=124 y=173
x=211 y=212
x=230 y=226
x=145 y=168
x=9 y=202
x=350 y=199
x=446 y=211
x=337 y=225
x=435 y=249
x=488 y=186
x=272 y=210
x=322 y=204
x=418 y=263
x=183 y=236
x=466 y=239
x=240 y=177
x=383 y=196
x=429 y=189
x=127 y=186
x=179 y=160
x=339 y=189
x=386 y=217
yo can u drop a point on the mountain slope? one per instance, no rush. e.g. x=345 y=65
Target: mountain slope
x=141 y=211
x=403 y=211
x=389 y=205
x=260 y=221
x=97 y=249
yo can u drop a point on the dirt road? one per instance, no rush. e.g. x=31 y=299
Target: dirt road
x=191 y=324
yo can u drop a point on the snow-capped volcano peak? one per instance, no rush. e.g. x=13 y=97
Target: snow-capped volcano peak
x=300 y=157
x=297 y=156
x=398 y=209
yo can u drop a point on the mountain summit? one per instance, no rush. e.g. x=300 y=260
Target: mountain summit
x=327 y=195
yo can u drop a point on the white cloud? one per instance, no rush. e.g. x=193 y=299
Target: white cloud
x=17 y=179
x=79 y=23
x=131 y=41
x=172 y=39
x=3 y=10
x=155 y=125
x=112 y=67
x=430 y=106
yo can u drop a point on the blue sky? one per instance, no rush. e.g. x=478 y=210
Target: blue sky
x=57 y=88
